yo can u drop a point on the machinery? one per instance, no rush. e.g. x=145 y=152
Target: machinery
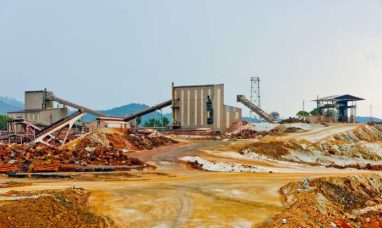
x=39 y=108
x=269 y=118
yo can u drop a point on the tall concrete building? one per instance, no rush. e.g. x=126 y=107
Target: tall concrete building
x=202 y=106
x=39 y=110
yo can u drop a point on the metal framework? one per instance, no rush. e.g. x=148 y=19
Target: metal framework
x=267 y=117
x=255 y=95
x=44 y=136
x=342 y=108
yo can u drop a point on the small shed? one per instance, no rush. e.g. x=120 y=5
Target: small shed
x=342 y=108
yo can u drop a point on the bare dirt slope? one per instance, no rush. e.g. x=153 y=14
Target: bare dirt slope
x=319 y=149
x=354 y=201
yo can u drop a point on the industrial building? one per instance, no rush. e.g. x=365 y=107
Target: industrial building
x=108 y=122
x=202 y=106
x=45 y=114
x=341 y=108
x=39 y=110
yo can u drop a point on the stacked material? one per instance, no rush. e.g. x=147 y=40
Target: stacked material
x=105 y=147
x=119 y=139
x=40 y=158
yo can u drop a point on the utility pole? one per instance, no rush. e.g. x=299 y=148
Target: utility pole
x=303 y=105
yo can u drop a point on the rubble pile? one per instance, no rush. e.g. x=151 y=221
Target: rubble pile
x=246 y=134
x=120 y=139
x=294 y=120
x=281 y=130
x=275 y=150
x=98 y=148
x=64 y=208
x=244 y=130
x=354 y=201
x=147 y=139
x=25 y=158
x=237 y=125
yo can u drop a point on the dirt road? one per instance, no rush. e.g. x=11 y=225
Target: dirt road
x=321 y=133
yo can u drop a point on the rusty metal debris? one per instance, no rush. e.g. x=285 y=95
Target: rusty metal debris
x=94 y=149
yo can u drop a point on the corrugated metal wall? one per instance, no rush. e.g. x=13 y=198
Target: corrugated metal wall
x=191 y=112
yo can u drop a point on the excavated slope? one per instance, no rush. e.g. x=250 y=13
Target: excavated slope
x=359 y=148
x=354 y=201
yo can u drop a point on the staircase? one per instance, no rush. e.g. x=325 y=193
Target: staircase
x=242 y=99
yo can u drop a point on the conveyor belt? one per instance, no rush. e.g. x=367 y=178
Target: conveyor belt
x=73 y=105
x=256 y=109
x=69 y=120
x=148 y=110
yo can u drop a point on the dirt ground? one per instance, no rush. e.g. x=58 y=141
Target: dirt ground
x=54 y=208
x=176 y=195
x=200 y=199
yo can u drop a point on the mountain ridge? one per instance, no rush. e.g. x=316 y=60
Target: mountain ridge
x=8 y=104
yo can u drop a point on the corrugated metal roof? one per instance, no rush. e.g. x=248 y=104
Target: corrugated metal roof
x=346 y=97
x=197 y=86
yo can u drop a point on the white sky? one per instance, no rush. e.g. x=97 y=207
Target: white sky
x=110 y=53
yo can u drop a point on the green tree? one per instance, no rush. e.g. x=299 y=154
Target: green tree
x=301 y=114
x=152 y=123
x=139 y=120
x=165 y=121
x=315 y=112
x=3 y=122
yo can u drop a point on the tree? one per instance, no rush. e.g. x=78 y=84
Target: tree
x=152 y=123
x=139 y=120
x=302 y=114
x=315 y=112
x=275 y=115
x=3 y=122
x=165 y=121
x=157 y=123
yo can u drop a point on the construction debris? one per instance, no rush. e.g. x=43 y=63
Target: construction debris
x=293 y=120
x=107 y=147
x=119 y=140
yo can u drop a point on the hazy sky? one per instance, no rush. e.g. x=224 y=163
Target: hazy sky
x=110 y=53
